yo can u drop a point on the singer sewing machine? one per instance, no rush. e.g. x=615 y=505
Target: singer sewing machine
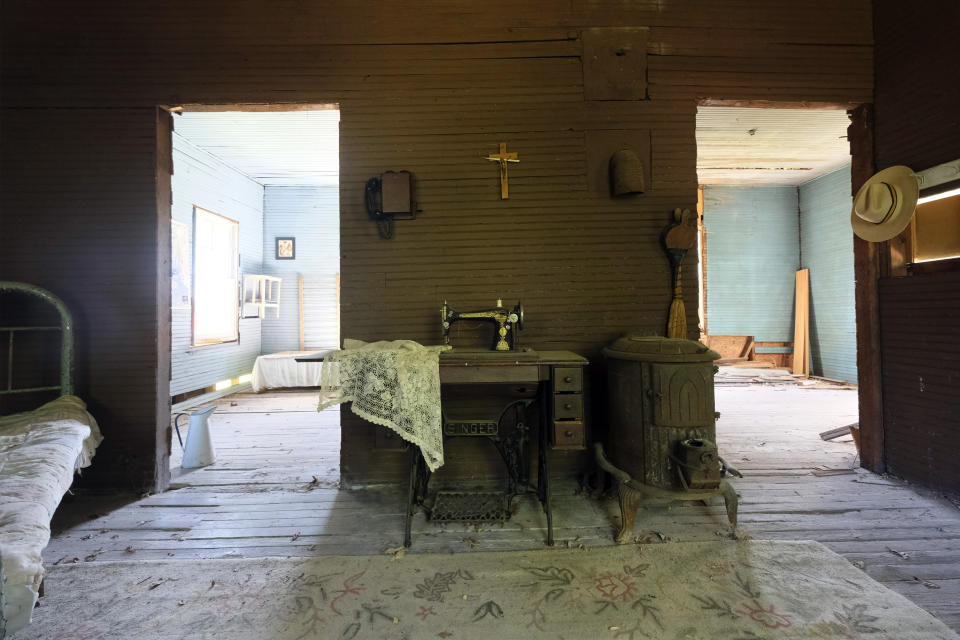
x=507 y=323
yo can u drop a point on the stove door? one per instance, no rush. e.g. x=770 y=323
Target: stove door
x=683 y=395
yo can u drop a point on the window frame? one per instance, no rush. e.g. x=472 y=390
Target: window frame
x=235 y=338
x=947 y=205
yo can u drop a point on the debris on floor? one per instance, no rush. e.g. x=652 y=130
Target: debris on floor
x=396 y=552
x=832 y=434
x=820 y=472
x=926 y=583
x=747 y=376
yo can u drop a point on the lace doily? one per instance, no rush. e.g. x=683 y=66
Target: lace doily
x=395 y=384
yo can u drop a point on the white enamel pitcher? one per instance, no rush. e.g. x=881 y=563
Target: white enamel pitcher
x=198 y=452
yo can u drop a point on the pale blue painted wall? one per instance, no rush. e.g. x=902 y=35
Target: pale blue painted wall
x=827 y=250
x=201 y=179
x=312 y=216
x=753 y=252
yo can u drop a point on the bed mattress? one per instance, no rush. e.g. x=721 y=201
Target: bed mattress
x=280 y=370
x=39 y=453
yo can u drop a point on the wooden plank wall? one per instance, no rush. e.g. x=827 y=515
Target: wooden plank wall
x=917 y=111
x=311 y=215
x=917 y=105
x=754 y=240
x=427 y=86
x=200 y=179
x=827 y=250
x=921 y=363
x=79 y=218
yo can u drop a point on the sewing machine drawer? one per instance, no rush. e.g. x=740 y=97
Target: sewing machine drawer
x=569 y=435
x=568 y=406
x=467 y=374
x=568 y=380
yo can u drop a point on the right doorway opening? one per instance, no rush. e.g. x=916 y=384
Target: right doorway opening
x=777 y=276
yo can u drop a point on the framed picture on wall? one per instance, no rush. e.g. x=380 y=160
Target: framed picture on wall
x=286 y=248
x=180 y=265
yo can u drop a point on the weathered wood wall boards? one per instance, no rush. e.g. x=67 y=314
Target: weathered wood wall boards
x=200 y=179
x=917 y=124
x=311 y=214
x=921 y=363
x=427 y=86
x=827 y=250
x=753 y=252
x=615 y=63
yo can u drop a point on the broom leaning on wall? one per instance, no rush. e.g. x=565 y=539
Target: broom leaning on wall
x=679 y=237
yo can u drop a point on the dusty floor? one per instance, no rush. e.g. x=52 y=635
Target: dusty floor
x=274 y=492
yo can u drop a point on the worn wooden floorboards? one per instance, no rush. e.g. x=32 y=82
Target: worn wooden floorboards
x=274 y=492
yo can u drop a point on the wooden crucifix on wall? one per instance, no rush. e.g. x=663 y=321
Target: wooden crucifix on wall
x=503 y=158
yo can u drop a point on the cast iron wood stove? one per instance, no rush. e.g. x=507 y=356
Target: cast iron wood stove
x=662 y=426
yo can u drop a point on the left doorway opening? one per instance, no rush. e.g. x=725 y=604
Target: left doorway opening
x=254 y=278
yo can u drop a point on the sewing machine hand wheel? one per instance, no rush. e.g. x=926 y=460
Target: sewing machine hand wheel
x=518 y=312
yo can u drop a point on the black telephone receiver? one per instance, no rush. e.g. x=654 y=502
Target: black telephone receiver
x=374 y=199
x=387 y=196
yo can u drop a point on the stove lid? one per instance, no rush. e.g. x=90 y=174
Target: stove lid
x=659 y=349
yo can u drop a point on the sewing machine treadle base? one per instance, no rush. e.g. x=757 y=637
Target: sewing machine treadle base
x=550 y=381
x=482 y=506
x=470 y=506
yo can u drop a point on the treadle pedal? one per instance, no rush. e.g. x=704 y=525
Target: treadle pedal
x=469 y=506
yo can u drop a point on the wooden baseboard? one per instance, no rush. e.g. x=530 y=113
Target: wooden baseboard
x=203 y=398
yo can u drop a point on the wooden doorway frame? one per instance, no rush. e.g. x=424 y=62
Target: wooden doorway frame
x=867 y=269
x=163 y=172
x=866 y=272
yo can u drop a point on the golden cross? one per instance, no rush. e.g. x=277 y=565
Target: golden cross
x=503 y=158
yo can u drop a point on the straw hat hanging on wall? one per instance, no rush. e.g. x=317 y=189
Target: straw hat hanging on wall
x=885 y=203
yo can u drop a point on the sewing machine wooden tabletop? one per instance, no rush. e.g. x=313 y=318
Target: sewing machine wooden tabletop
x=466 y=366
x=473 y=365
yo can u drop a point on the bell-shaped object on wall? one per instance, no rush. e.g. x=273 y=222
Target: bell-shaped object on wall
x=626 y=173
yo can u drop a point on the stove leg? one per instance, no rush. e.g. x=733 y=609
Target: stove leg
x=629 y=501
x=731 y=500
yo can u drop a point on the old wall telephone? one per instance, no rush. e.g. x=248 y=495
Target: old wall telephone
x=388 y=198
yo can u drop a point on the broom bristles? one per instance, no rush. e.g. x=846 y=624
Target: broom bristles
x=677 y=320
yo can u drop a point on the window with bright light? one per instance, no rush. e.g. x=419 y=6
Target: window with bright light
x=936 y=227
x=215 y=285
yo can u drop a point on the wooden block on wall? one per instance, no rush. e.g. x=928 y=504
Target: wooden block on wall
x=615 y=63
x=602 y=144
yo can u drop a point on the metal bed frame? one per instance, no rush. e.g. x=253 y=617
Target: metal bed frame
x=66 y=385
x=66 y=339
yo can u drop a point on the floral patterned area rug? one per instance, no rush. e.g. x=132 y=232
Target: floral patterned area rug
x=685 y=591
